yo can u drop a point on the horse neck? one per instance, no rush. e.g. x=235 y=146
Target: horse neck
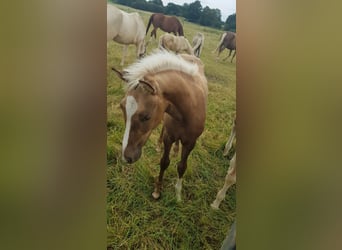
x=181 y=94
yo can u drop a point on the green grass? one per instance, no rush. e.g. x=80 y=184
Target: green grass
x=134 y=219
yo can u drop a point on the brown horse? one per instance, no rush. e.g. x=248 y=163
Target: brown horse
x=168 y=87
x=228 y=41
x=166 y=23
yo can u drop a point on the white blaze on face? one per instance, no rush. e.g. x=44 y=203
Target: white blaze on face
x=131 y=108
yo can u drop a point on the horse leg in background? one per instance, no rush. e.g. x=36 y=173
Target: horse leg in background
x=219 y=52
x=140 y=50
x=124 y=52
x=164 y=163
x=181 y=167
x=230 y=52
x=230 y=180
x=229 y=143
x=233 y=56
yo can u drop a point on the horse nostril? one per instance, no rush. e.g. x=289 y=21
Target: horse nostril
x=129 y=160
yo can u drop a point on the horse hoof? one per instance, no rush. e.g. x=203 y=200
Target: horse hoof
x=214 y=206
x=156 y=195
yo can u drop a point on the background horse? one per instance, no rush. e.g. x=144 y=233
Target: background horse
x=176 y=44
x=228 y=41
x=166 y=23
x=126 y=28
x=168 y=87
x=231 y=172
x=197 y=43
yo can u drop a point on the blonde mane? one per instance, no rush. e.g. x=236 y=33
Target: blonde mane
x=160 y=60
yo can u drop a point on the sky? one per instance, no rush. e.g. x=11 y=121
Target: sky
x=227 y=7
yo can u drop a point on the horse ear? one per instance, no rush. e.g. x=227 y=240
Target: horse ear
x=119 y=74
x=148 y=86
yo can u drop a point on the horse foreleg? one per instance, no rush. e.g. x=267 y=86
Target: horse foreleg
x=230 y=180
x=230 y=52
x=124 y=52
x=181 y=167
x=164 y=163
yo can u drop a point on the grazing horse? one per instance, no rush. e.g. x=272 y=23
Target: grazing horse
x=176 y=44
x=197 y=43
x=228 y=41
x=166 y=23
x=168 y=87
x=126 y=28
x=231 y=173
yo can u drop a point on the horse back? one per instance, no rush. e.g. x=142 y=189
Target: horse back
x=132 y=29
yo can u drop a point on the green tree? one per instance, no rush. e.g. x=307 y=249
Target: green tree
x=230 y=24
x=173 y=9
x=211 y=17
x=194 y=11
x=157 y=2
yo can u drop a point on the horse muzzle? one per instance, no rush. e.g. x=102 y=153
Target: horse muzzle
x=131 y=156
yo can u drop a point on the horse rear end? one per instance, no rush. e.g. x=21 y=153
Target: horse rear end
x=114 y=22
x=197 y=43
x=126 y=28
x=176 y=44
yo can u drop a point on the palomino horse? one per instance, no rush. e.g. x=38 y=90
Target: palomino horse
x=166 y=23
x=228 y=41
x=168 y=87
x=197 y=43
x=231 y=173
x=126 y=28
x=176 y=44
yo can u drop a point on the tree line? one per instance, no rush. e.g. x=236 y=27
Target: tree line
x=193 y=12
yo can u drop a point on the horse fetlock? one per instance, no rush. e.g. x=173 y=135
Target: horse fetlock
x=215 y=204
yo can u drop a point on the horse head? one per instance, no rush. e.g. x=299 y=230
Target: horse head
x=143 y=110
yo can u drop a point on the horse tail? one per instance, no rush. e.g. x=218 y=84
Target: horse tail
x=220 y=43
x=149 y=23
x=197 y=47
x=180 y=30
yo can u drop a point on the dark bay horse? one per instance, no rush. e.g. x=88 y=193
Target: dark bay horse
x=166 y=23
x=168 y=87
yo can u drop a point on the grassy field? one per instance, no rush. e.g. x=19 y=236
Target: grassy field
x=134 y=219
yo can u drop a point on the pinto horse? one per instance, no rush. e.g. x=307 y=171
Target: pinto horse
x=126 y=28
x=168 y=87
x=166 y=23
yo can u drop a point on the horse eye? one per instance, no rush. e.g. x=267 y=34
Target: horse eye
x=144 y=118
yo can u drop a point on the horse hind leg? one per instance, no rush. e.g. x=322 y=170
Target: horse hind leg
x=233 y=56
x=229 y=181
x=124 y=53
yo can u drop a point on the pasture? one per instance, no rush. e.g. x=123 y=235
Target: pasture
x=134 y=219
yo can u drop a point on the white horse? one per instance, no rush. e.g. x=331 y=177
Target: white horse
x=197 y=43
x=126 y=28
x=174 y=43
